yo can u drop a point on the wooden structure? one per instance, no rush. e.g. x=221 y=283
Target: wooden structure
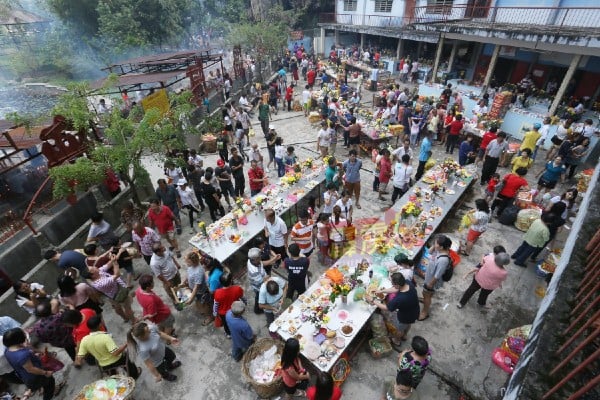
x=163 y=70
x=60 y=144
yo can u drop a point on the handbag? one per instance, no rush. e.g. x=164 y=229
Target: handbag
x=121 y=294
x=218 y=321
x=349 y=233
x=50 y=362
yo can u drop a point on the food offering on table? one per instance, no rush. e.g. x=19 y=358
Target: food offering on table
x=382 y=244
x=260 y=200
x=347 y=329
x=262 y=369
x=235 y=237
x=449 y=166
x=308 y=163
x=311 y=184
x=270 y=190
x=202 y=227
x=342 y=289
x=112 y=388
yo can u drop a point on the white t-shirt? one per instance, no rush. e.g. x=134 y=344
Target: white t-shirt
x=400 y=151
x=345 y=207
x=22 y=300
x=324 y=138
x=305 y=96
x=195 y=160
x=544 y=130
x=187 y=196
x=279 y=152
x=328 y=209
x=402 y=174
x=277 y=230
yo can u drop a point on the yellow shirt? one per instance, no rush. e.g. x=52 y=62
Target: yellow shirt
x=530 y=139
x=519 y=162
x=101 y=345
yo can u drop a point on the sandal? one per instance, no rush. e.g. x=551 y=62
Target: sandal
x=424 y=318
x=59 y=387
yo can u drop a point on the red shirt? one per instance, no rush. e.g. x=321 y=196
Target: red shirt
x=486 y=139
x=491 y=187
x=455 y=127
x=255 y=173
x=385 y=170
x=152 y=304
x=82 y=330
x=163 y=220
x=289 y=92
x=311 y=392
x=225 y=296
x=512 y=184
x=310 y=77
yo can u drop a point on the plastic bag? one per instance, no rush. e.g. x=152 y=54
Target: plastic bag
x=251 y=132
x=359 y=293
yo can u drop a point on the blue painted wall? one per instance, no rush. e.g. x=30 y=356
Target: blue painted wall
x=579 y=3
x=519 y=55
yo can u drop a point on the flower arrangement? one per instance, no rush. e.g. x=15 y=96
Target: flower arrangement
x=411 y=209
x=318 y=316
x=260 y=199
x=239 y=202
x=326 y=159
x=308 y=163
x=340 y=289
x=290 y=179
x=381 y=245
x=435 y=187
x=202 y=227
x=449 y=166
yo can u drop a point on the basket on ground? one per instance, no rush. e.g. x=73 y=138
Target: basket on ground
x=263 y=390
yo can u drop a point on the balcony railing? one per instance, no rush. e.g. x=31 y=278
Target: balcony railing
x=557 y=19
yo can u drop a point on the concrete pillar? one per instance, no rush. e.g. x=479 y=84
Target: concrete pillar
x=565 y=82
x=438 y=56
x=323 y=41
x=362 y=41
x=452 y=55
x=419 y=50
x=490 y=70
x=399 y=49
x=336 y=37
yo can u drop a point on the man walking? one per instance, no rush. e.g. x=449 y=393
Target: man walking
x=491 y=157
x=166 y=269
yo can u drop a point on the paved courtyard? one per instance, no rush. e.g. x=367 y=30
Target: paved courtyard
x=461 y=341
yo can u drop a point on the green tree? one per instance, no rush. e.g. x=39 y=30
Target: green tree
x=128 y=141
x=263 y=40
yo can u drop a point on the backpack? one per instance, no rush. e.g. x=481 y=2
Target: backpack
x=447 y=275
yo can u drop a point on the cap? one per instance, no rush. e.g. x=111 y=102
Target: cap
x=181 y=182
x=271 y=126
x=238 y=307
x=220 y=163
x=537 y=125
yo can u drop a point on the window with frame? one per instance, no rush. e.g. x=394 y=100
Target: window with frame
x=383 y=6
x=350 y=5
x=439 y=6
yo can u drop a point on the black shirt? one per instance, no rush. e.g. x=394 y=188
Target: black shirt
x=234 y=162
x=297 y=269
x=406 y=305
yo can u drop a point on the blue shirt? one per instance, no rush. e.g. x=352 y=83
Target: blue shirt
x=18 y=358
x=425 y=149
x=214 y=282
x=465 y=148
x=7 y=323
x=352 y=170
x=552 y=173
x=241 y=332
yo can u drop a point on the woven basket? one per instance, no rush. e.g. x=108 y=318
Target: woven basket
x=526 y=217
x=263 y=390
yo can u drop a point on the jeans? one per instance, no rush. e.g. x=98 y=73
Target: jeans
x=471 y=290
x=240 y=187
x=167 y=364
x=132 y=369
x=451 y=143
x=280 y=167
x=191 y=211
x=376 y=183
x=524 y=251
x=175 y=209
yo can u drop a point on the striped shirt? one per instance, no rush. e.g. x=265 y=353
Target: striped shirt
x=303 y=235
x=256 y=275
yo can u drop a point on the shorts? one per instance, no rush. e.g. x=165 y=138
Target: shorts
x=472 y=236
x=354 y=140
x=168 y=235
x=176 y=280
x=400 y=327
x=166 y=323
x=544 y=183
x=556 y=140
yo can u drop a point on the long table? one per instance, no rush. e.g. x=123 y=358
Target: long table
x=441 y=205
x=353 y=313
x=280 y=199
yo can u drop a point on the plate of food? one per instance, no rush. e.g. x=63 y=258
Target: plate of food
x=347 y=330
x=339 y=342
x=461 y=184
x=343 y=315
x=234 y=238
x=450 y=191
x=312 y=351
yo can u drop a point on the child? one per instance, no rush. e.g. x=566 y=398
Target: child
x=290 y=158
x=323 y=228
x=491 y=187
x=416 y=361
x=376 y=172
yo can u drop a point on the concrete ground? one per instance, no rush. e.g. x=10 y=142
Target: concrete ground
x=461 y=341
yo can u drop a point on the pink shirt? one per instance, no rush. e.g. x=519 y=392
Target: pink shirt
x=107 y=284
x=146 y=241
x=82 y=294
x=490 y=276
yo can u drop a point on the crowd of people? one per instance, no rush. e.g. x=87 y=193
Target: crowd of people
x=73 y=319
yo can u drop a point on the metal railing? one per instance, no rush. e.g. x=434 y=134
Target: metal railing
x=555 y=18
